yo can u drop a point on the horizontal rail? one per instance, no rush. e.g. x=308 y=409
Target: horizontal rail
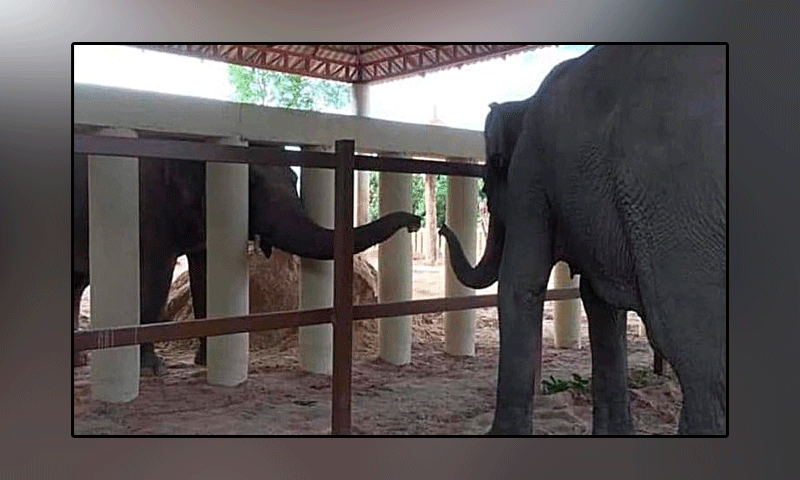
x=407 y=165
x=214 y=152
x=416 y=307
x=95 y=339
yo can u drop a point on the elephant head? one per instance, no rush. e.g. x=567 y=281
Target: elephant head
x=501 y=130
x=503 y=125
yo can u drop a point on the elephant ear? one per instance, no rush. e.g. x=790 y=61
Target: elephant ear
x=501 y=130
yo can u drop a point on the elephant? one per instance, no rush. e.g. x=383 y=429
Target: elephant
x=172 y=223
x=616 y=165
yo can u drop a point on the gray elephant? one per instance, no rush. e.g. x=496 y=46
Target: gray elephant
x=172 y=223
x=616 y=165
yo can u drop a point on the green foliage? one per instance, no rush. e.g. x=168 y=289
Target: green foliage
x=555 y=385
x=417 y=197
x=639 y=377
x=278 y=89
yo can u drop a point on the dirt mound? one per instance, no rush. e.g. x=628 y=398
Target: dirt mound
x=275 y=287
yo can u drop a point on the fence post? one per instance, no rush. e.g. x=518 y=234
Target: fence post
x=114 y=267
x=462 y=203
x=315 y=342
x=343 y=288
x=566 y=313
x=395 y=268
x=227 y=286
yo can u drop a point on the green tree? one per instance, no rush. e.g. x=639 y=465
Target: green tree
x=417 y=197
x=276 y=89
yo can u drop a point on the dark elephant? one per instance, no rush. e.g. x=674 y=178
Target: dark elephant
x=172 y=223
x=616 y=165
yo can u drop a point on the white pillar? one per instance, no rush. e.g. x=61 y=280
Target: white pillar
x=361 y=183
x=395 y=269
x=567 y=313
x=114 y=267
x=462 y=209
x=315 y=342
x=227 y=191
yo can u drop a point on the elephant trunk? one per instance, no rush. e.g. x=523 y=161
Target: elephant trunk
x=486 y=271
x=297 y=234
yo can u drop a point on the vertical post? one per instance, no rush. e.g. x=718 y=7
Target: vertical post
x=361 y=103
x=227 y=215
x=315 y=342
x=431 y=236
x=114 y=267
x=567 y=313
x=395 y=269
x=343 y=247
x=461 y=212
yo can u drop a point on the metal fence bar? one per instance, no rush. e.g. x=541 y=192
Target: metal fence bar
x=343 y=246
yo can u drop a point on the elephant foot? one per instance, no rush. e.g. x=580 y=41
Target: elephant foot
x=152 y=364
x=510 y=428
x=200 y=355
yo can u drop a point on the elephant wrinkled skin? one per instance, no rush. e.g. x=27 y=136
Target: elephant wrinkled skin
x=616 y=165
x=172 y=223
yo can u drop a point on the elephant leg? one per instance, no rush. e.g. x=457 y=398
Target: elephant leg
x=690 y=333
x=156 y=269
x=524 y=272
x=611 y=410
x=197 y=283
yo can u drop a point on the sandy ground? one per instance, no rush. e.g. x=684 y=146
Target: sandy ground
x=435 y=394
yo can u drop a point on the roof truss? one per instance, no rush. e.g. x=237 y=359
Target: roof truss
x=351 y=63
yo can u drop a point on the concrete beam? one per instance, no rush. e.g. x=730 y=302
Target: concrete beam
x=116 y=107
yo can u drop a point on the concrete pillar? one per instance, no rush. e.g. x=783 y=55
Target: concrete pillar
x=395 y=269
x=114 y=267
x=362 y=197
x=431 y=229
x=227 y=191
x=461 y=214
x=361 y=184
x=315 y=342
x=567 y=313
